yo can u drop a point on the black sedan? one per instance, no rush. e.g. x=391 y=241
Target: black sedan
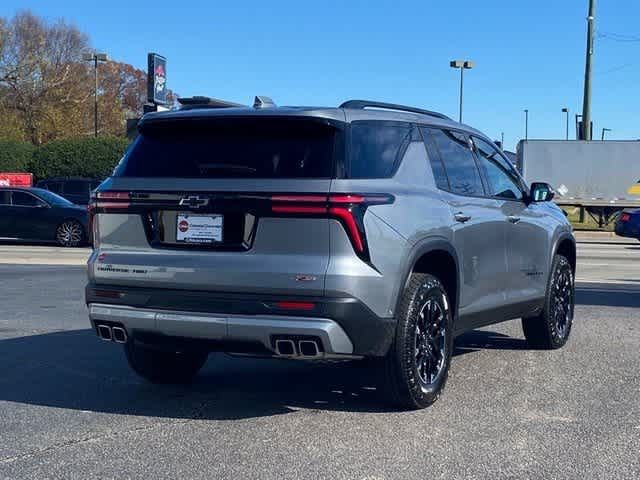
x=37 y=215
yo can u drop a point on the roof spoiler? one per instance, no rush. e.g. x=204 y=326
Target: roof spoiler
x=206 y=102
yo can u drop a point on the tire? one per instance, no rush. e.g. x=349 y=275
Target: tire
x=163 y=367
x=70 y=233
x=551 y=329
x=417 y=365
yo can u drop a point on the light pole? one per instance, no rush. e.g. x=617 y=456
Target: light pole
x=566 y=110
x=605 y=130
x=526 y=124
x=462 y=65
x=95 y=57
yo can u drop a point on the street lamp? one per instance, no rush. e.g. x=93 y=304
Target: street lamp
x=462 y=65
x=95 y=57
x=605 y=130
x=526 y=124
x=566 y=110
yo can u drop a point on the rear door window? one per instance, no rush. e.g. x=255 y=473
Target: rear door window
x=23 y=199
x=376 y=148
x=5 y=197
x=232 y=148
x=459 y=162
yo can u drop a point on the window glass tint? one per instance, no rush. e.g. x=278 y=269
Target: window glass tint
x=24 y=199
x=232 y=148
x=5 y=198
x=54 y=187
x=437 y=166
x=499 y=173
x=459 y=163
x=76 y=188
x=375 y=148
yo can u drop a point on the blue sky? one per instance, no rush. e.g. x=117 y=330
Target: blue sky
x=529 y=54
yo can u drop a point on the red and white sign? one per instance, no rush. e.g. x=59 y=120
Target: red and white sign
x=16 y=179
x=199 y=228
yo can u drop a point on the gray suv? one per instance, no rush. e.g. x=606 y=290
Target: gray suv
x=370 y=230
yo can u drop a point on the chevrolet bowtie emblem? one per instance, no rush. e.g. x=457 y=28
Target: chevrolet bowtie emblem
x=194 y=201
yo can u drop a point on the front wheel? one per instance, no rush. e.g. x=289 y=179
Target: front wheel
x=160 y=366
x=70 y=234
x=551 y=329
x=417 y=365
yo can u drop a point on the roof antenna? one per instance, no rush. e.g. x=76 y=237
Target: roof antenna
x=263 y=102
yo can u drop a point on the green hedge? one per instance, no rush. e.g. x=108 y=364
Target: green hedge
x=15 y=156
x=83 y=157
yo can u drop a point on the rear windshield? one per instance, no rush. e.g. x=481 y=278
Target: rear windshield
x=232 y=148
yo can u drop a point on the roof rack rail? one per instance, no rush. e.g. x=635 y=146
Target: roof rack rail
x=205 y=102
x=362 y=104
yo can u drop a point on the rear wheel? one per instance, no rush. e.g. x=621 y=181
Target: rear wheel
x=417 y=365
x=551 y=329
x=159 y=366
x=70 y=234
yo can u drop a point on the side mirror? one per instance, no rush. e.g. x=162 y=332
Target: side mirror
x=541 y=192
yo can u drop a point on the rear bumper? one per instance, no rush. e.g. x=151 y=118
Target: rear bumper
x=233 y=322
x=229 y=329
x=627 y=230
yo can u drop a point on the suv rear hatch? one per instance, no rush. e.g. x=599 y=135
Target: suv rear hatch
x=206 y=204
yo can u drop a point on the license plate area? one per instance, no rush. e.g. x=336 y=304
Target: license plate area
x=232 y=231
x=199 y=229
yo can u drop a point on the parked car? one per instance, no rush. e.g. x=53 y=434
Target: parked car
x=370 y=230
x=36 y=215
x=75 y=189
x=628 y=224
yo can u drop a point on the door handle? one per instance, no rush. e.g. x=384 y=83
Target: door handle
x=513 y=219
x=461 y=217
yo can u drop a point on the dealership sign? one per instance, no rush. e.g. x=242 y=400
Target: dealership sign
x=157 y=79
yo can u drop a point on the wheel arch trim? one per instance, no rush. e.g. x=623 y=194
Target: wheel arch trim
x=417 y=252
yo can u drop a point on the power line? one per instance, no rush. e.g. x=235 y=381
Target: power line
x=618 y=37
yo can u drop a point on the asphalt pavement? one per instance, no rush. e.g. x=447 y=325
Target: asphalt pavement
x=71 y=408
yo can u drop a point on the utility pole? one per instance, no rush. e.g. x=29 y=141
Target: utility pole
x=526 y=124
x=587 y=134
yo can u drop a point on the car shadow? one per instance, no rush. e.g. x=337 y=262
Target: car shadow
x=75 y=370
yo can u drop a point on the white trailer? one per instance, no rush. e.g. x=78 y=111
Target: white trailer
x=601 y=178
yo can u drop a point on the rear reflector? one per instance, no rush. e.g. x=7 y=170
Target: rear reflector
x=290 y=305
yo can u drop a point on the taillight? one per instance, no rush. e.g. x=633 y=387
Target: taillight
x=112 y=200
x=348 y=208
x=625 y=217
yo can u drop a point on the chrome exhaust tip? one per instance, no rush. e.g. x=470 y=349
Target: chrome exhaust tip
x=104 y=332
x=119 y=334
x=308 y=348
x=285 y=348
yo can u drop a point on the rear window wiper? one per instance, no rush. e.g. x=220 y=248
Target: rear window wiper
x=203 y=167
